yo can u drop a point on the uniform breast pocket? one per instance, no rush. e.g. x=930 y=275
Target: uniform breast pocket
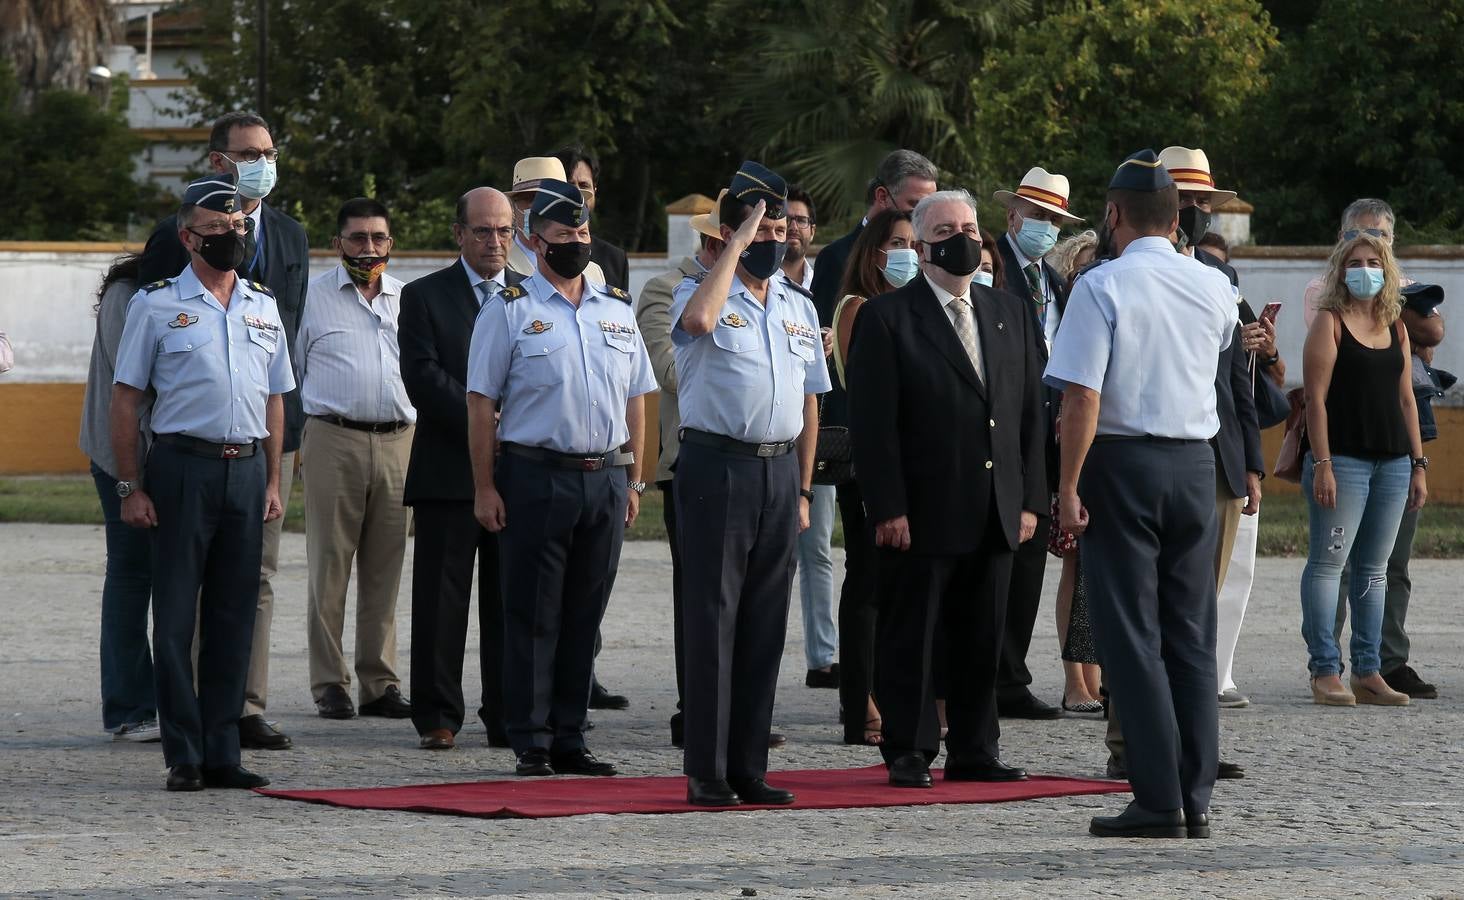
x=263 y=345
x=623 y=352
x=176 y=350
x=804 y=350
x=542 y=358
x=736 y=340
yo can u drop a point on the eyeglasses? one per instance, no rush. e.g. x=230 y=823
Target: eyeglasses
x=253 y=155
x=213 y=229
x=358 y=239
x=483 y=232
x=1353 y=234
x=804 y=222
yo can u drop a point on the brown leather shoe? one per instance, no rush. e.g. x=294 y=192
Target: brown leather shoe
x=437 y=739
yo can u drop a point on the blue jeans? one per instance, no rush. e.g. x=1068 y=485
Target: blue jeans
x=816 y=579
x=1371 y=496
x=127 y=666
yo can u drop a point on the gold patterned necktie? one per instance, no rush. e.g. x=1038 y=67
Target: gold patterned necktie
x=965 y=325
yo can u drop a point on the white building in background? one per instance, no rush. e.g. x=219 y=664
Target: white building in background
x=160 y=39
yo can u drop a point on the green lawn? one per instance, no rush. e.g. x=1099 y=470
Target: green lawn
x=1283 y=519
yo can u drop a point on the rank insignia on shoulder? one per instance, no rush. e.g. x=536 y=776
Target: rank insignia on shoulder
x=512 y=292
x=697 y=278
x=536 y=326
x=156 y=285
x=733 y=320
x=619 y=294
x=183 y=321
x=798 y=288
x=262 y=288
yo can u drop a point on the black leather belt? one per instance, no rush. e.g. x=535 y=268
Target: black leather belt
x=372 y=427
x=732 y=445
x=1147 y=439
x=578 y=462
x=209 y=449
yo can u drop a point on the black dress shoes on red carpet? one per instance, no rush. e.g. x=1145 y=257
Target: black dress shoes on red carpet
x=533 y=763
x=758 y=791
x=579 y=762
x=390 y=705
x=710 y=792
x=257 y=734
x=233 y=777
x=185 y=778
x=1137 y=822
x=958 y=769
x=1026 y=707
x=910 y=771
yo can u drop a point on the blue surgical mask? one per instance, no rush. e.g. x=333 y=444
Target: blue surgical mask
x=982 y=278
x=256 y=179
x=1036 y=237
x=900 y=266
x=1364 y=283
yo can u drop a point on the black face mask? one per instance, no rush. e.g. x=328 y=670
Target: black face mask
x=222 y=252
x=763 y=258
x=1195 y=223
x=959 y=254
x=1104 y=249
x=568 y=259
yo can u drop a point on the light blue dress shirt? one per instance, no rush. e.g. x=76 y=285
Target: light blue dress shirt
x=213 y=369
x=1145 y=331
x=562 y=374
x=747 y=378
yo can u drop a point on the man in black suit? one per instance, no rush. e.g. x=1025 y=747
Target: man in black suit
x=277 y=255
x=582 y=169
x=434 y=330
x=947 y=424
x=1035 y=212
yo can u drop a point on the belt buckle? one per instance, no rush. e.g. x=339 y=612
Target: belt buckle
x=592 y=463
x=765 y=451
x=231 y=451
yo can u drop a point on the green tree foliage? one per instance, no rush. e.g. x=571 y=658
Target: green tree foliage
x=1096 y=80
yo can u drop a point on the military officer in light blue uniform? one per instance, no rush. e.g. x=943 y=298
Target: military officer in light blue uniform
x=750 y=364
x=557 y=373
x=213 y=348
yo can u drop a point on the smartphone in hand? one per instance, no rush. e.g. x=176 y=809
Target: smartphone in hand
x=1271 y=310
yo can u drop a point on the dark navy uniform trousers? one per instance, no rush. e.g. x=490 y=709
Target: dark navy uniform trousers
x=205 y=556
x=558 y=555
x=737 y=518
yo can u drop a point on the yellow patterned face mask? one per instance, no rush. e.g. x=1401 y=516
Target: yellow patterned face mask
x=364 y=269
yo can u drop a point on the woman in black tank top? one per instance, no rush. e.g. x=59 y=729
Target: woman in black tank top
x=1366 y=463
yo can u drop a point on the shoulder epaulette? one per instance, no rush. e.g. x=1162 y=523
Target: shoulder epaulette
x=798 y=287
x=696 y=279
x=263 y=289
x=512 y=293
x=160 y=283
x=619 y=294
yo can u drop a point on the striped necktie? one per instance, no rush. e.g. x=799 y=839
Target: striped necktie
x=1034 y=286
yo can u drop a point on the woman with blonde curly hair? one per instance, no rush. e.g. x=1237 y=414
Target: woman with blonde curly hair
x=1365 y=464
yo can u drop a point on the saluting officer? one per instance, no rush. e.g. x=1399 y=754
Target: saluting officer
x=749 y=362
x=561 y=359
x=213 y=347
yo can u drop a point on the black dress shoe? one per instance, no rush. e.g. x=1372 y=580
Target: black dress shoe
x=1197 y=825
x=1028 y=707
x=603 y=699
x=1137 y=822
x=818 y=678
x=710 y=792
x=755 y=790
x=185 y=778
x=233 y=777
x=910 y=771
x=957 y=769
x=579 y=762
x=678 y=731
x=777 y=739
x=257 y=734
x=335 y=703
x=1229 y=770
x=533 y=762
x=390 y=705
x=1406 y=681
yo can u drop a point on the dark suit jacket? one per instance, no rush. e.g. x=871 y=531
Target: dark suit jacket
x=433 y=331
x=828 y=276
x=286 y=273
x=1238 y=443
x=930 y=442
x=613 y=262
x=1016 y=283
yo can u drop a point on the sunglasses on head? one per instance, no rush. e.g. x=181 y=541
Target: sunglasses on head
x=1352 y=234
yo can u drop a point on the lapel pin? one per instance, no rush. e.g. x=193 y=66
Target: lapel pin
x=1001 y=326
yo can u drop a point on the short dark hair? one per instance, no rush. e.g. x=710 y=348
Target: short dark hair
x=575 y=154
x=1149 y=212
x=361 y=208
x=1213 y=239
x=223 y=126
x=796 y=194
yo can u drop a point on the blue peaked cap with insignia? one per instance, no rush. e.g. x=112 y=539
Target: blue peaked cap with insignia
x=217 y=192
x=755 y=181
x=1142 y=172
x=562 y=202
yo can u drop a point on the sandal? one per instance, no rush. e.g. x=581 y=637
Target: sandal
x=1086 y=706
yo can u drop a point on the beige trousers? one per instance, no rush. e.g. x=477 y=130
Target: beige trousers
x=256 y=685
x=353 y=512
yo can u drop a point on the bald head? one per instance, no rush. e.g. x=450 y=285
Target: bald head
x=483 y=229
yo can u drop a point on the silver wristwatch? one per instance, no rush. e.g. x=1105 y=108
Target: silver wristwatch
x=638 y=486
x=125 y=489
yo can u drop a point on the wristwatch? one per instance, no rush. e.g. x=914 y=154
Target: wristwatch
x=1420 y=462
x=125 y=489
x=638 y=486
x=807 y=495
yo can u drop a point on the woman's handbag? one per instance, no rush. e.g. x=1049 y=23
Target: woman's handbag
x=1294 y=445
x=833 y=456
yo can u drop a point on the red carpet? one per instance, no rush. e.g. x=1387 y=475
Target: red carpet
x=543 y=798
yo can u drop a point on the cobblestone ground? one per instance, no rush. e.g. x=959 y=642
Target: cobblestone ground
x=1337 y=802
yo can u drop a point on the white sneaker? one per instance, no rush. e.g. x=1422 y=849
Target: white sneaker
x=139 y=732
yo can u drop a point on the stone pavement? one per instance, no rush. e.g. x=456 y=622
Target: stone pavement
x=1337 y=802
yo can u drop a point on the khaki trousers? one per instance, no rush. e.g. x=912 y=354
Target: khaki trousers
x=256 y=685
x=353 y=512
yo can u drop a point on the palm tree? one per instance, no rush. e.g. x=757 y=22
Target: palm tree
x=54 y=43
x=834 y=85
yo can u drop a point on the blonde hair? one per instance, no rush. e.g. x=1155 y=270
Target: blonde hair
x=1065 y=254
x=1388 y=303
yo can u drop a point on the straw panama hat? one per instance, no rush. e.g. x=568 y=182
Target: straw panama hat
x=1042 y=188
x=1190 y=170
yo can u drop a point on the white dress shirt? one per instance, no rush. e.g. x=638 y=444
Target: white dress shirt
x=350 y=364
x=944 y=297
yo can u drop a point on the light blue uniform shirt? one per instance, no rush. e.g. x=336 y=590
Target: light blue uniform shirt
x=562 y=373
x=213 y=369
x=747 y=378
x=1145 y=331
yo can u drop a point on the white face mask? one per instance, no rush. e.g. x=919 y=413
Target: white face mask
x=982 y=278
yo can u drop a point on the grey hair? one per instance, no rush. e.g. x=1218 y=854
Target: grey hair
x=902 y=164
x=922 y=209
x=1367 y=208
